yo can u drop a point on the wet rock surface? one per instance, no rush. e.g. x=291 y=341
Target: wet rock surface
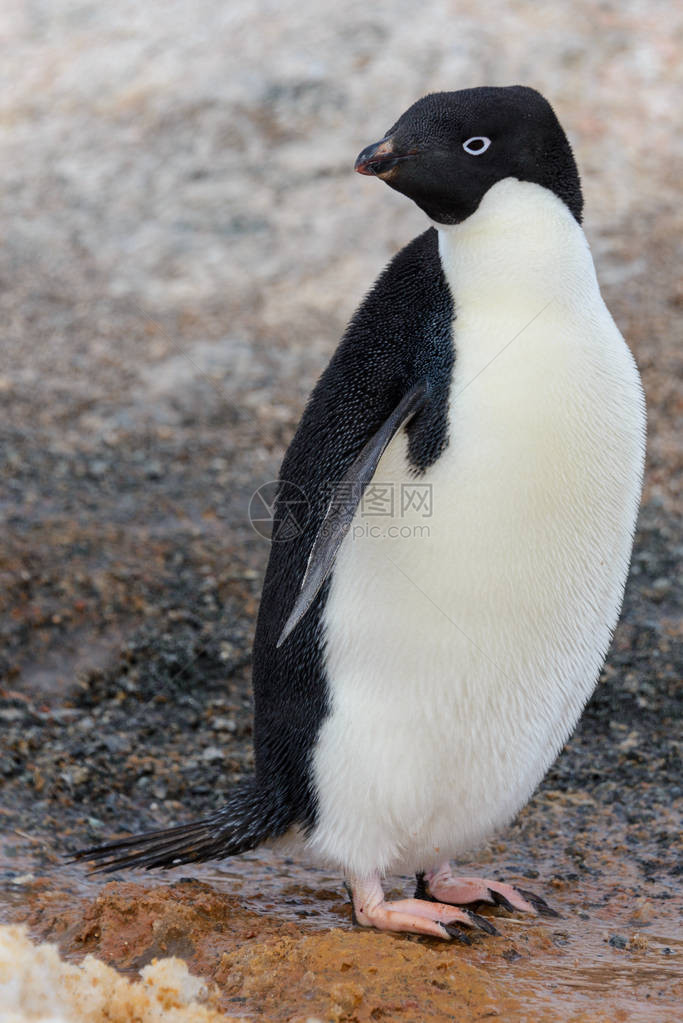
x=183 y=243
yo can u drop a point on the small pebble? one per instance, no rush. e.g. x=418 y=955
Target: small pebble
x=212 y=753
x=224 y=725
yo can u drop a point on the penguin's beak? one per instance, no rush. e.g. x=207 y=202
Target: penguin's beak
x=380 y=158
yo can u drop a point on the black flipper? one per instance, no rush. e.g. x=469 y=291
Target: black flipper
x=250 y=816
x=345 y=500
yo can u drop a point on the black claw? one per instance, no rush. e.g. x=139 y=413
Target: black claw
x=539 y=904
x=481 y=922
x=457 y=934
x=354 y=918
x=499 y=900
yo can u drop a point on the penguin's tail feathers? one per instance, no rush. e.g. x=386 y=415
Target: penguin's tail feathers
x=250 y=816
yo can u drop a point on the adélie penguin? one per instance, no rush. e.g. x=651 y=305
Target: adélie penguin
x=471 y=461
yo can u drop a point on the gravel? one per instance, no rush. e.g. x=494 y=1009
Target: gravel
x=183 y=243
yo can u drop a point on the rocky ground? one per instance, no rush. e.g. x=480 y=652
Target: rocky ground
x=183 y=241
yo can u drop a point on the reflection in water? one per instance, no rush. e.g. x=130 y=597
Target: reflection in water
x=568 y=962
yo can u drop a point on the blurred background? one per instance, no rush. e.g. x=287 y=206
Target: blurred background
x=183 y=241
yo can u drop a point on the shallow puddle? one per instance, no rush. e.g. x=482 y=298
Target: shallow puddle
x=277 y=938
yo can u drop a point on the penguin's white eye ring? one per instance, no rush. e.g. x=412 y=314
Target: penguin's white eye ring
x=477 y=145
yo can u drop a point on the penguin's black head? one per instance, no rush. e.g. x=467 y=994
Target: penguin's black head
x=449 y=148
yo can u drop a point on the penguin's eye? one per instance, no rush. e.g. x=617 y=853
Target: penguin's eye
x=477 y=145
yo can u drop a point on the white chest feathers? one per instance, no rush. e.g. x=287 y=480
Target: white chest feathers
x=465 y=631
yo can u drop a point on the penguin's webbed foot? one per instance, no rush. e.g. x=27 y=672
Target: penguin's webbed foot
x=415 y=916
x=444 y=886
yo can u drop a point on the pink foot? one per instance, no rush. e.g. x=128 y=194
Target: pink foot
x=417 y=916
x=444 y=886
